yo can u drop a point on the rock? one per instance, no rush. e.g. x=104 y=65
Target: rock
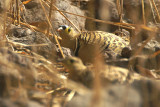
x=133 y=14
x=8 y=75
x=144 y=61
x=35 y=13
x=103 y=10
x=141 y=93
x=157 y=58
x=15 y=58
x=4 y=5
x=149 y=91
x=66 y=52
x=66 y=6
x=11 y=103
x=7 y=103
x=31 y=4
x=113 y=96
x=83 y=4
x=140 y=35
x=19 y=32
x=134 y=7
x=28 y=37
x=34 y=104
x=14 y=69
x=150 y=47
x=119 y=62
x=156 y=34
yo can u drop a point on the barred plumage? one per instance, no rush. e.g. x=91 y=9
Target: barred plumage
x=104 y=40
x=83 y=44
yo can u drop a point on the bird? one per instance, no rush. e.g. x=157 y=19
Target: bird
x=78 y=72
x=83 y=44
x=85 y=75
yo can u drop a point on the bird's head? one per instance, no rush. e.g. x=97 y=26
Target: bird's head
x=73 y=64
x=66 y=32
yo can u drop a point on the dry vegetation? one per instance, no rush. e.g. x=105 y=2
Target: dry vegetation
x=31 y=73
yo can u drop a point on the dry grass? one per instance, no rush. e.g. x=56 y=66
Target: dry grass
x=50 y=75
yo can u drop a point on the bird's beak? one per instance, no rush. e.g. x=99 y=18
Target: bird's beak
x=59 y=29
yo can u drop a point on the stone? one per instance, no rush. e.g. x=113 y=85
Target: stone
x=28 y=37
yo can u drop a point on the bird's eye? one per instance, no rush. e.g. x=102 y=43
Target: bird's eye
x=72 y=61
x=69 y=29
x=64 y=27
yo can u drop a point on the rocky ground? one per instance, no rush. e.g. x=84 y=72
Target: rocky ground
x=31 y=73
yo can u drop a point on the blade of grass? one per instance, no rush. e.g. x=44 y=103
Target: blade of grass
x=50 y=15
x=153 y=13
x=153 y=2
x=118 y=7
x=33 y=28
x=143 y=13
x=52 y=29
x=17 y=10
x=62 y=15
x=26 y=2
x=97 y=20
x=121 y=12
